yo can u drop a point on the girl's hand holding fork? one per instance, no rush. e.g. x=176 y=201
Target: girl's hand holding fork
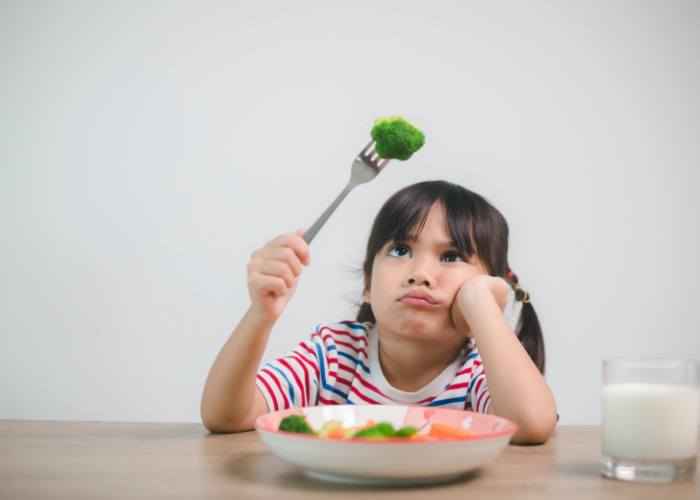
x=273 y=274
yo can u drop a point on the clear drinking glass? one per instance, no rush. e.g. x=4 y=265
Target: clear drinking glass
x=650 y=418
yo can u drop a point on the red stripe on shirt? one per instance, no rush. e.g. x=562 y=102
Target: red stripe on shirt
x=327 y=402
x=301 y=363
x=479 y=405
x=485 y=405
x=476 y=391
x=284 y=363
x=478 y=384
x=346 y=368
x=347 y=334
x=309 y=362
x=457 y=386
x=279 y=386
x=352 y=347
x=362 y=396
x=334 y=376
x=269 y=391
x=369 y=386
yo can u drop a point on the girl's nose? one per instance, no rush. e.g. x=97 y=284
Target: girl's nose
x=421 y=274
x=412 y=281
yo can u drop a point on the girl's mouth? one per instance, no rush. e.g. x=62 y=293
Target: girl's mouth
x=418 y=299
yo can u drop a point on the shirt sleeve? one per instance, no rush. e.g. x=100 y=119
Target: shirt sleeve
x=478 y=394
x=291 y=381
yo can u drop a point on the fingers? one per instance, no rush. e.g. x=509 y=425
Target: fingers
x=294 y=242
x=262 y=285
x=278 y=261
x=275 y=267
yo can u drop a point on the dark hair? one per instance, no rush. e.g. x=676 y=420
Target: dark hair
x=472 y=223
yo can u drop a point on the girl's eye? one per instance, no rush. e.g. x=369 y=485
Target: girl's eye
x=398 y=251
x=452 y=257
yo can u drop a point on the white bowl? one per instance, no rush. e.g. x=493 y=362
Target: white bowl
x=388 y=460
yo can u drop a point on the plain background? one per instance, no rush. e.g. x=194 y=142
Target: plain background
x=147 y=148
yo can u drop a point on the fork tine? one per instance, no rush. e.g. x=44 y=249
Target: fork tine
x=371 y=158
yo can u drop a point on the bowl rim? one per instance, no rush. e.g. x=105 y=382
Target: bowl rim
x=511 y=428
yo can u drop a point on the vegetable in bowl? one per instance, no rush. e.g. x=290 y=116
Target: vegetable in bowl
x=296 y=423
x=333 y=429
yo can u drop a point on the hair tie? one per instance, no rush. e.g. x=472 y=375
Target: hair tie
x=517 y=286
x=510 y=273
x=525 y=300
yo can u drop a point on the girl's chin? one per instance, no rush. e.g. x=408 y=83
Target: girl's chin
x=424 y=329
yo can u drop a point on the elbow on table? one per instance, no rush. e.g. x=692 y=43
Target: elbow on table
x=214 y=426
x=217 y=423
x=223 y=426
x=534 y=429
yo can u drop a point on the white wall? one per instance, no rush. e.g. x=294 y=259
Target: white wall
x=147 y=148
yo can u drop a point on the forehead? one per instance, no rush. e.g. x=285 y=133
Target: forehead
x=431 y=225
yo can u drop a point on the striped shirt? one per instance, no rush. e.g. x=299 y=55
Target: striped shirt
x=339 y=364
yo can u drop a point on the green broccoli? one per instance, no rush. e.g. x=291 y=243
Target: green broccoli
x=396 y=138
x=379 y=431
x=406 y=431
x=296 y=423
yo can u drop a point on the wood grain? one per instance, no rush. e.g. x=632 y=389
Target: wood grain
x=105 y=460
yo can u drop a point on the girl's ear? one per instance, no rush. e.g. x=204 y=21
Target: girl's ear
x=365 y=296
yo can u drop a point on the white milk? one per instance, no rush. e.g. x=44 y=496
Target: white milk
x=650 y=421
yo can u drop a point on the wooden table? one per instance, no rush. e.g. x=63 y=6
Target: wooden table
x=95 y=460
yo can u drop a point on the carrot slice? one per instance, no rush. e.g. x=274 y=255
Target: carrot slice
x=336 y=433
x=438 y=429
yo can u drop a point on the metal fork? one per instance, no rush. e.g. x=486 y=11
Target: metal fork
x=365 y=168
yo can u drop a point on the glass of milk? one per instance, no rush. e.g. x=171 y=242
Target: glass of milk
x=651 y=409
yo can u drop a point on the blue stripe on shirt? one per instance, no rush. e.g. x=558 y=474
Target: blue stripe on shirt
x=346 y=355
x=354 y=326
x=324 y=384
x=471 y=384
x=444 y=402
x=289 y=385
x=362 y=365
x=354 y=360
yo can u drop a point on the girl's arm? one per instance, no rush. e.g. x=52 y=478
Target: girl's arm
x=517 y=388
x=231 y=401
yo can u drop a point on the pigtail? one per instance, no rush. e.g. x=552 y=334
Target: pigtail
x=528 y=329
x=365 y=314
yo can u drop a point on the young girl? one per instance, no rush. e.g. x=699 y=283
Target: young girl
x=431 y=330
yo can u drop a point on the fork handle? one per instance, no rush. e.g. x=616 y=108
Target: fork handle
x=311 y=232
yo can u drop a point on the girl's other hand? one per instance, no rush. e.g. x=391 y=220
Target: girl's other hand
x=470 y=299
x=273 y=273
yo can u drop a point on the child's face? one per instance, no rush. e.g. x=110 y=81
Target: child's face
x=414 y=283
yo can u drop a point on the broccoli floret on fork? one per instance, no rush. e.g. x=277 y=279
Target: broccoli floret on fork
x=396 y=138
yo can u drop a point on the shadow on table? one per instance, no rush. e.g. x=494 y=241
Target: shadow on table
x=265 y=468
x=580 y=468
